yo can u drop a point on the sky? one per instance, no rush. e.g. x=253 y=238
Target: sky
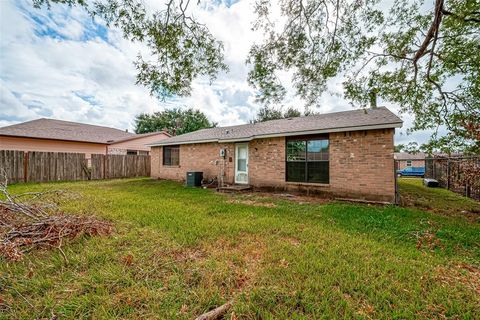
x=60 y=64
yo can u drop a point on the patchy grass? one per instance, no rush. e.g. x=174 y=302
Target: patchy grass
x=415 y=194
x=179 y=252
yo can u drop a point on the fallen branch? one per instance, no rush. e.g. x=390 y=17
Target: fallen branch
x=25 y=226
x=216 y=313
x=48 y=232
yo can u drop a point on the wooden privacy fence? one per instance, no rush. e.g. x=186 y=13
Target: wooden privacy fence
x=36 y=166
x=458 y=174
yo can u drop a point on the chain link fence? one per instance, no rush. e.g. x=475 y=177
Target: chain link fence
x=458 y=174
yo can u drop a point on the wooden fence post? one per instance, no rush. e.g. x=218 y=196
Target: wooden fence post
x=25 y=166
x=104 y=166
x=448 y=174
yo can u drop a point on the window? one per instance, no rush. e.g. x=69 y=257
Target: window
x=132 y=152
x=171 y=155
x=409 y=163
x=308 y=160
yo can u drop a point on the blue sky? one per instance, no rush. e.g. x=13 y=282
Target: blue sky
x=61 y=64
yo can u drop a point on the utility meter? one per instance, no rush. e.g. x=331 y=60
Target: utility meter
x=223 y=153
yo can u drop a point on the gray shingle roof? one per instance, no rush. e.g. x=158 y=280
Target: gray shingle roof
x=330 y=122
x=65 y=130
x=142 y=135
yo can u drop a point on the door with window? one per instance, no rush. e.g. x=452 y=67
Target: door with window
x=241 y=163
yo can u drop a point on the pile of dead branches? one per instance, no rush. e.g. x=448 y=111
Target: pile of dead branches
x=33 y=220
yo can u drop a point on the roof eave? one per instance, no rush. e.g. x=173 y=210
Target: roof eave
x=54 y=139
x=283 y=134
x=134 y=137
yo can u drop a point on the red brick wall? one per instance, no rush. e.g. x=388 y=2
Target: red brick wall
x=203 y=157
x=266 y=162
x=361 y=164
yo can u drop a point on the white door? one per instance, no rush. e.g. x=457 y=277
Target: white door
x=241 y=163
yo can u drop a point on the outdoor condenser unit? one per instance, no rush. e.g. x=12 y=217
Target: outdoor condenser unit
x=194 y=179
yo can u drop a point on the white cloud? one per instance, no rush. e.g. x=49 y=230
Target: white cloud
x=59 y=64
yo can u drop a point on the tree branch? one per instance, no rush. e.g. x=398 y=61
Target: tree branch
x=437 y=20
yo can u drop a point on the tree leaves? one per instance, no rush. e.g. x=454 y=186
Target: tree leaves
x=271 y=113
x=181 y=48
x=425 y=60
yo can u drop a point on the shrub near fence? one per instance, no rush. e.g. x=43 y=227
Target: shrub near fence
x=458 y=174
x=36 y=166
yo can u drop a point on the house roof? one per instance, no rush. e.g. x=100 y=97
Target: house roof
x=69 y=131
x=378 y=118
x=409 y=156
x=142 y=135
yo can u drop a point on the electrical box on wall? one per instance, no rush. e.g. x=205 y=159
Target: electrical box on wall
x=223 y=153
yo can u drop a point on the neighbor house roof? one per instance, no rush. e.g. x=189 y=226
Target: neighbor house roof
x=142 y=135
x=69 y=131
x=409 y=156
x=361 y=119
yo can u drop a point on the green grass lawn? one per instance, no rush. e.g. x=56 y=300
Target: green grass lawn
x=178 y=252
x=439 y=200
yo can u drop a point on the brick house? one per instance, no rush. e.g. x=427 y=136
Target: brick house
x=49 y=135
x=346 y=154
x=405 y=159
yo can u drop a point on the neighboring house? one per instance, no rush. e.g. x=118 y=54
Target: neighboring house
x=348 y=154
x=405 y=159
x=63 y=136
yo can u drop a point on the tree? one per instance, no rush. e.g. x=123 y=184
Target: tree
x=181 y=48
x=175 y=121
x=267 y=113
x=399 y=147
x=270 y=113
x=291 y=113
x=426 y=60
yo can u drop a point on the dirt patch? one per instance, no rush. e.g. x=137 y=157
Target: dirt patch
x=179 y=255
x=253 y=203
x=302 y=199
x=264 y=199
x=293 y=241
x=427 y=239
x=228 y=265
x=241 y=259
x=464 y=274
x=366 y=310
x=450 y=276
x=188 y=255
